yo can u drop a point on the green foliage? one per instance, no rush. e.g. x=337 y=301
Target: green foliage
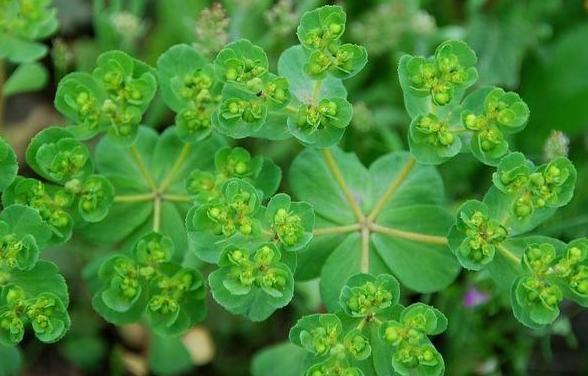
x=442 y=118
x=8 y=165
x=112 y=99
x=22 y=24
x=163 y=204
x=145 y=284
x=372 y=220
x=373 y=335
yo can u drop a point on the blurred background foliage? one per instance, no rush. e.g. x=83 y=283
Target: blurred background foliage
x=537 y=47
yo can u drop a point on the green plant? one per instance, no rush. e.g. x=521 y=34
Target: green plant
x=166 y=204
x=22 y=24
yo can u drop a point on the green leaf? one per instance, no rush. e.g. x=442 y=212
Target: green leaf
x=10 y=360
x=19 y=50
x=168 y=356
x=284 y=359
x=26 y=78
x=401 y=198
x=44 y=277
x=8 y=164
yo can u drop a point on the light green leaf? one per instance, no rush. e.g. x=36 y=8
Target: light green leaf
x=27 y=77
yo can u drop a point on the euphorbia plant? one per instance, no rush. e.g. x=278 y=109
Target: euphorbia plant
x=370 y=233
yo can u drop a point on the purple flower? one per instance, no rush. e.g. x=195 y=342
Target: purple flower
x=474 y=297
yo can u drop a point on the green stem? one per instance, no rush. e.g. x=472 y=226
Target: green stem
x=364 y=265
x=336 y=172
x=142 y=168
x=409 y=235
x=134 y=198
x=156 y=214
x=176 y=198
x=508 y=254
x=392 y=188
x=316 y=90
x=169 y=179
x=336 y=229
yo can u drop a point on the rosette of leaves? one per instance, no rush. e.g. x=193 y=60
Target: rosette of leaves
x=145 y=283
x=373 y=220
x=72 y=193
x=22 y=24
x=239 y=217
x=112 y=99
x=552 y=271
x=38 y=297
x=205 y=185
x=149 y=181
x=254 y=282
x=372 y=335
x=8 y=164
x=443 y=121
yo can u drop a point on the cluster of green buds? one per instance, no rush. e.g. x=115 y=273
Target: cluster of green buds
x=371 y=324
x=336 y=348
x=491 y=114
x=552 y=271
x=230 y=163
x=25 y=21
x=442 y=119
x=250 y=90
x=535 y=188
x=434 y=139
x=53 y=204
x=413 y=351
x=190 y=88
x=23 y=234
x=113 y=98
x=247 y=275
x=146 y=282
x=475 y=236
x=235 y=210
x=46 y=313
x=364 y=295
x=56 y=155
x=452 y=68
x=334 y=112
x=320 y=31
x=290 y=222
